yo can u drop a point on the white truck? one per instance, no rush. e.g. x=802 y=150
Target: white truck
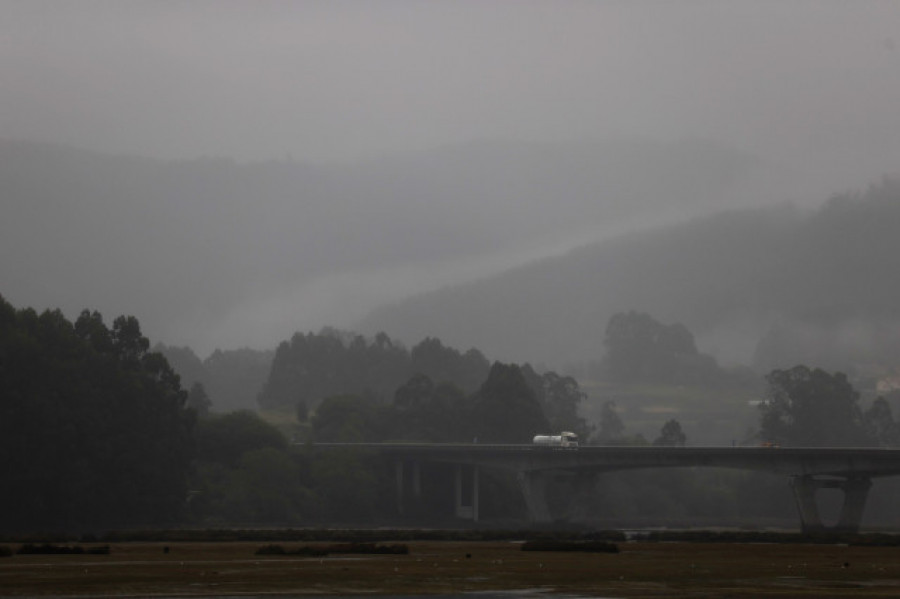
x=563 y=439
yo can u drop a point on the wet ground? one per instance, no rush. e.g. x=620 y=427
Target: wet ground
x=453 y=568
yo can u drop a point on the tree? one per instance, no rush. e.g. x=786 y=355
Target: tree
x=611 y=426
x=331 y=363
x=445 y=364
x=226 y=438
x=671 y=435
x=560 y=398
x=198 y=400
x=880 y=423
x=641 y=349
x=91 y=329
x=505 y=409
x=347 y=486
x=95 y=429
x=301 y=411
x=128 y=342
x=348 y=419
x=266 y=487
x=234 y=378
x=423 y=411
x=812 y=408
x=186 y=363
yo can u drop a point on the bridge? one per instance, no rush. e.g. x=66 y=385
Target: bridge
x=809 y=469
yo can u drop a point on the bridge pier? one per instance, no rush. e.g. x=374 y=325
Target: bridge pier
x=467 y=512
x=855 y=489
x=399 y=467
x=534 y=489
x=849 y=469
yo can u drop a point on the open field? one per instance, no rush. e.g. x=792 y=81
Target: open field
x=641 y=569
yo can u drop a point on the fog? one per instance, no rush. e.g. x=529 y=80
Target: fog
x=373 y=150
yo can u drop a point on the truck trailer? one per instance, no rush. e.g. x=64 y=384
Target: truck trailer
x=564 y=439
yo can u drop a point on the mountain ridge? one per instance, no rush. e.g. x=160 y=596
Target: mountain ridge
x=732 y=278
x=213 y=253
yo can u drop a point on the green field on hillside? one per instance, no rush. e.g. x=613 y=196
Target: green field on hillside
x=707 y=416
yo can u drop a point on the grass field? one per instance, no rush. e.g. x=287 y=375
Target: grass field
x=640 y=569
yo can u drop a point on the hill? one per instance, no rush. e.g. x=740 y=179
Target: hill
x=772 y=287
x=212 y=253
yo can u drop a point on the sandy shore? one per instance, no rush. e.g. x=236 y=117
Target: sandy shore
x=639 y=570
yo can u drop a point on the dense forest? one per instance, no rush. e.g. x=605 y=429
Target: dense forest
x=312 y=366
x=94 y=426
x=101 y=433
x=231 y=379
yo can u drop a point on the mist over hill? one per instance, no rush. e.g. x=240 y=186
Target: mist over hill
x=768 y=287
x=216 y=254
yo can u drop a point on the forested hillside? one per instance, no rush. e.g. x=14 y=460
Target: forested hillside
x=314 y=366
x=231 y=378
x=770 y=287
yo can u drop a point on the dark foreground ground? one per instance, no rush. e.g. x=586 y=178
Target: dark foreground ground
x=640 y=569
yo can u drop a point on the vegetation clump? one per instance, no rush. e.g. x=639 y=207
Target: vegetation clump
x=342 y=548
x=304 y=551
x=51 y=549
x=88 y=407
x=370 y=548
x=582 y=546
x=768 y=536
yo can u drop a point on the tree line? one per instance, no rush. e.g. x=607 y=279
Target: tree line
x=99 y=433
x=94 y=426
x=512 y=405
x=231 y=379
x=313 y=366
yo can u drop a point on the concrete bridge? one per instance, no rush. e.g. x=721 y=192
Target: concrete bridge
x=808 y=469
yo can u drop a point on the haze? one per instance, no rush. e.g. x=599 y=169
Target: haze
x=388 y=148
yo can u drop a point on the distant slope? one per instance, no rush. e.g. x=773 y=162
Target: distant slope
x=820 y=286
x=211 y=253
x=232 y=378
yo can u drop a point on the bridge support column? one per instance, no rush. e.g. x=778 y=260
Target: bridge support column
x=399 y=475
x=534 y=488
x=856 y=491
x=417 y=480
x=804 y=488
x=398 y=471
x=468 y=512
x=475 y=491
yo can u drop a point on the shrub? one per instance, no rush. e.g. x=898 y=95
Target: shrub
x=50 y=549
x=370 y=548
x=585 y=546
x=355 y=548
x=303 y=550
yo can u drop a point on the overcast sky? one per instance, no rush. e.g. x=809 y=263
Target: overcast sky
x=812 y=85
x=333 y=80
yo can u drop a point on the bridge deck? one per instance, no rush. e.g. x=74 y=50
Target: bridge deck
x=834 y=461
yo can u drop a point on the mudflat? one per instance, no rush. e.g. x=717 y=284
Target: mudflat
x=640 y=569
